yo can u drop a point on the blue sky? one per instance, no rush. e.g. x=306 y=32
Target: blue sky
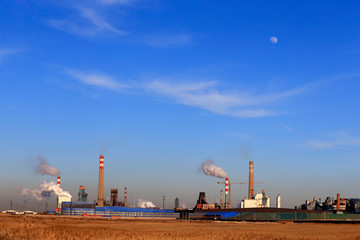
x=160 y=86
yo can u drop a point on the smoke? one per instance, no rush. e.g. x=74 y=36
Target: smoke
x=144 y=204
x=46 y=169
x=45 y=191
x=208 y=168
x=182 y=205
x=36 y=193
x=25 y=191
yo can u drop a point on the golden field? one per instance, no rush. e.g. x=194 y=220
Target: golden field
x=58 y=227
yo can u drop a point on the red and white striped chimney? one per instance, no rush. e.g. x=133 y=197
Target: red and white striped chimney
x=58 y=181
x=226 y=192
x=101 y=182
x=125 y=197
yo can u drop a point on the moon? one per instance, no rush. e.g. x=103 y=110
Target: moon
x=273 y=40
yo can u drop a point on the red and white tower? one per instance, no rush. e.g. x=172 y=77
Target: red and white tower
x=58 y=207
x=226 y=192
x=101 y=182
x=125 y=197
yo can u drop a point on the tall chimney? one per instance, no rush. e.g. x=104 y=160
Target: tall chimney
x=226 y=192
x=221 y=199
x=125 y=197
x=251 y=179
x=57 y=199
x=101 y=182
x=338 y=202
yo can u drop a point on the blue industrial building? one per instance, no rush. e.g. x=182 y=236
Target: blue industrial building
x=90 y=209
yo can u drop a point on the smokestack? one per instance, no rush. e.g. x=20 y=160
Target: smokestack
x=202 y=198
x=251 y=179
x=57 y=199
x=338 y=202
x=125 y=197
x=226 y=192
x=221 y=199
x=114 y=197
x=101 y=182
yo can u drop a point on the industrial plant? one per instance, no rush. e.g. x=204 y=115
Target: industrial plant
x=256 y=207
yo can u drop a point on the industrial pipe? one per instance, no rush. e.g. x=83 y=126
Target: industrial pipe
x=251 y=180
x=101 y=182
x=226 y=192
x=125 y=197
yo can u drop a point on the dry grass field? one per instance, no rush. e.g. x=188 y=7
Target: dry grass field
x=55 y=227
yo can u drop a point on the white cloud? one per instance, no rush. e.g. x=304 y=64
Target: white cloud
x=71 y=27
x=91 y=24
x=334 y=140
x=168 y=40
x=111 y=2
x=96 y=79
x=98 y=20
x=205 y=95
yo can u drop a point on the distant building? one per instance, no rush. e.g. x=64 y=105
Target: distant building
x=260 y=201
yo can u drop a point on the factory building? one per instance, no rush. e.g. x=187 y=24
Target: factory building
x=259 y=201
x=254 y=208
x=82 y=194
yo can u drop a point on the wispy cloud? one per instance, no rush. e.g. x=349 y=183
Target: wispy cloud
x=96 y=79
x=97 y=20
x=205 y=95
x=7 y=52
x=91 y=23
x=112 y=2
x=334 y=140
x=168 y=40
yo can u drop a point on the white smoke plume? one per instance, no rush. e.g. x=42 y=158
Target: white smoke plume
x=46 y=169
x=25 y=191
x=144 y=203
x=45 y=191
x=36 y=193
x=182 y=205
x=53 y=187
x=208 y=168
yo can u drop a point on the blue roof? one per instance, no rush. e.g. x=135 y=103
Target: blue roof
x=84 y=202
x=128 y=209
